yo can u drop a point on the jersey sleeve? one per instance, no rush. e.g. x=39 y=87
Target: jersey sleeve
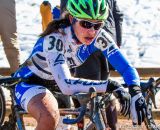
x=61 y=72
x=111 y=51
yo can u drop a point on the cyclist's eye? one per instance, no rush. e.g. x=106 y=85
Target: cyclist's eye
x=97 y=26
x=86 y=24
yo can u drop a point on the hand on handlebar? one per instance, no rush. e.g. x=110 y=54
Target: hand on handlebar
x=124 y=99
x=123 y=96
x=138 y=105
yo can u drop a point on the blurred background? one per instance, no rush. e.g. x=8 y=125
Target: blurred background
x=141 y=30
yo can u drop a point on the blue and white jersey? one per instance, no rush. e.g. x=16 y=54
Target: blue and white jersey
x=54 y=55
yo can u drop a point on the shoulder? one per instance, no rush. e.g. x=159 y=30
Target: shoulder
x=103 y=40
x=53 y=42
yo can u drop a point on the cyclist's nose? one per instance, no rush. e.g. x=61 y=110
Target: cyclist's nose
x=92 y=28
x=92 y=31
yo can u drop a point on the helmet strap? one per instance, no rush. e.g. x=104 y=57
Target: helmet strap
x=73 y=21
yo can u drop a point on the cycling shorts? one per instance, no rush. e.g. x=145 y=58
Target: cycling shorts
x=25 y=92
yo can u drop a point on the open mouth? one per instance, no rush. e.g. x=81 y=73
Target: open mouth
x=89 y=38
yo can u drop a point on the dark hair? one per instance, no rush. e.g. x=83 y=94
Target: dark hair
x=57 y=25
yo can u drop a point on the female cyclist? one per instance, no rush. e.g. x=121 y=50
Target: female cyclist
x=68 y=43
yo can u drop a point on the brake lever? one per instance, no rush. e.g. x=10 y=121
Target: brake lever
x=151 y=93
x=84 y=98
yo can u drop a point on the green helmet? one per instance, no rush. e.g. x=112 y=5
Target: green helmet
x=88 y=9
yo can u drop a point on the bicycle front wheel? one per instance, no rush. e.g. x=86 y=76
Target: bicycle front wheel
x=2 y=106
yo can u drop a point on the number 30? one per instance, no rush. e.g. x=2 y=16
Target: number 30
x=55 y=43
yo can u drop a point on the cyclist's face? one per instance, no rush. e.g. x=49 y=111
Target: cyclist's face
x=86 y=30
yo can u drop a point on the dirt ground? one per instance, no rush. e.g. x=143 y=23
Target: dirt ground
x=123 y=124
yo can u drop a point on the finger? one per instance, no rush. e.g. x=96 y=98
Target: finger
x=127 y=109
x=144 y=113
x=129 y=106
x=143 y=116
x=134 y=113
x=121 y=108
x=122 y=111
x=124 y=108
x=129 y=114
x=139 y=117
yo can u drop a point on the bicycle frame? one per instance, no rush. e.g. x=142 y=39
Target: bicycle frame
x=92 y=106
x=94 y=113
x=16 y=116
x=150 y=99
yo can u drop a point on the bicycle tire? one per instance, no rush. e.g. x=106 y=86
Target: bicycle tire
x=2 y=106
x=150 y=122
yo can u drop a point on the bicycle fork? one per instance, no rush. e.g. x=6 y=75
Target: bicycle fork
x=98 y=115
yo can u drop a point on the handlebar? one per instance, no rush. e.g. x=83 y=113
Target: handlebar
x=149 y=88
x=78 y=119
x=83 y=99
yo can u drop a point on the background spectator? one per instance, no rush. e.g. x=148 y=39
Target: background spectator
x=8 y=33
x=45 y=10
x=113 y=24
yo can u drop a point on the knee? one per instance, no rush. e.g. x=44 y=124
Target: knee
x=49 y=120
x=44 y=108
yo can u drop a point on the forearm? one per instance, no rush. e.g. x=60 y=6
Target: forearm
x=70 y=85
x=121 y=64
